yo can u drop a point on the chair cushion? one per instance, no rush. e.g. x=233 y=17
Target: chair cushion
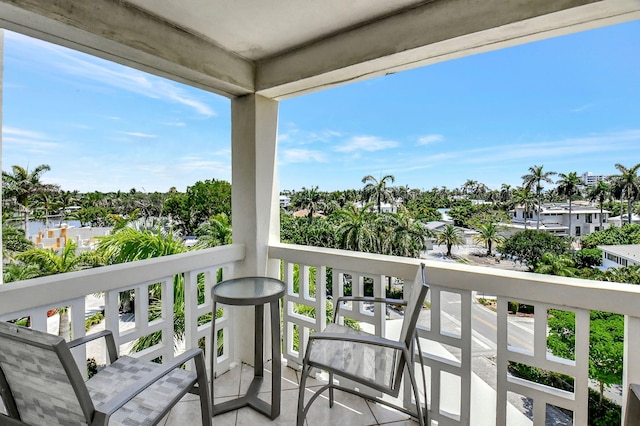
x=151 y=404
x=372 y=363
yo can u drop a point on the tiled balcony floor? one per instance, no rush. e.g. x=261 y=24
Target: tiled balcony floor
x=347 y=410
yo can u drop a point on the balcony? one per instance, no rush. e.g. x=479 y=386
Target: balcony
x=461 y=389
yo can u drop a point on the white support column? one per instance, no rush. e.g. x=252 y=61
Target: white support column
x=1 y=102
x=254 y=197
x=631 y=368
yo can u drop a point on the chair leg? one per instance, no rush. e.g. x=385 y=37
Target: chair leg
x=203 y=390
x=330 y=389
x=303 y=381
x=421 y=419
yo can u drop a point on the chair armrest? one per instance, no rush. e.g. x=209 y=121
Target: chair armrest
x=358 y=338
x=366 y=299
x=108 y=337
x=118 y=401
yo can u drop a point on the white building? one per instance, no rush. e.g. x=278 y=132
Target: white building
x=285 y=201
x=620 y=255
x=384 y=207
x=590 y=179
x=554 y=218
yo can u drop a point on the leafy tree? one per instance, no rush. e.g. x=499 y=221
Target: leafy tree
x=450 y=236
x=529 y=246
x=200 y=202
x=13 y=241
x=468 y=215
x=569 y=185
x=599 y=192
x=92 y=215
x=627 y=274
x=606 y=343
x=613 y=235
x=628 y=185
x=488 y=234
x=19 y=272
x=587 y=258
x=378 y=190
x=533 y=181
x=21 y=186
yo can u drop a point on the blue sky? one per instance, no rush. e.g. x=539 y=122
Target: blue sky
x=570 y=103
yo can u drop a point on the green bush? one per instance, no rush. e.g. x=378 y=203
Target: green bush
x=602 y=412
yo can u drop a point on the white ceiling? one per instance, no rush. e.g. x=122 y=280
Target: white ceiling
x=259 y=29
x=285 y=48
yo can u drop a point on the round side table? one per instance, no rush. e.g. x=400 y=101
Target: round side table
x=257 y=292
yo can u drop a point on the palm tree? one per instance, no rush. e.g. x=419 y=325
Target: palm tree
x=534 y=179
x=468 y=187
x=215 y=233
x=128 y=245
x=356 y=230
x=629 y=185
x=65 y=200
x=450 y=236
x=569 y=185
x=377 y=189
x=489 y=233
x=556 y=264
x=408 y=236
x=506 y=193
x=599 y=192
x=524 y=197
x=309 y=199
x=50 y=262
x=22 y=185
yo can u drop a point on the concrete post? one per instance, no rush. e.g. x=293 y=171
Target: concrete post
x=1 y=102
x=254 y=198
x=631 y=368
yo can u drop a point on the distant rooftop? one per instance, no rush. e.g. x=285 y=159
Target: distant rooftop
x=626 y=251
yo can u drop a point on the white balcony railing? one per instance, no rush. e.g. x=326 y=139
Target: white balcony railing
x=34 y=298
x=448 y=351
x=448 y=347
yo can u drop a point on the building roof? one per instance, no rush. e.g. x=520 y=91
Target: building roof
x=563 y=208
x=626 y=251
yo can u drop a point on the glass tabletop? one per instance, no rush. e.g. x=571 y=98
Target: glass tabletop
x=248 y=290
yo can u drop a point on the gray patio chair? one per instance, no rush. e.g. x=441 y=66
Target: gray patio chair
x=40 y=383
x=373 y=361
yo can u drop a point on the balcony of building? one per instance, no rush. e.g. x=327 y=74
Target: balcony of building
x=257 y=54
x=467 y=367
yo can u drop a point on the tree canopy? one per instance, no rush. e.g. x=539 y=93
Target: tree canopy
x=529 y=246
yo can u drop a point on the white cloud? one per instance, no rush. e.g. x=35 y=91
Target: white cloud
x=93 y=69
x=366 y=143
x=427 y=139
x=303 y=156
x=21 y=132
x=28 y=140
x=141 y=135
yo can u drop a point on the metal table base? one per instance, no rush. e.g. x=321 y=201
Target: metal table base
x=251 y=399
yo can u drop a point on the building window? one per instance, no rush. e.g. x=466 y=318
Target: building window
x=577 y=216
x=587 y=218
x=597 y=228
x=577 y=231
